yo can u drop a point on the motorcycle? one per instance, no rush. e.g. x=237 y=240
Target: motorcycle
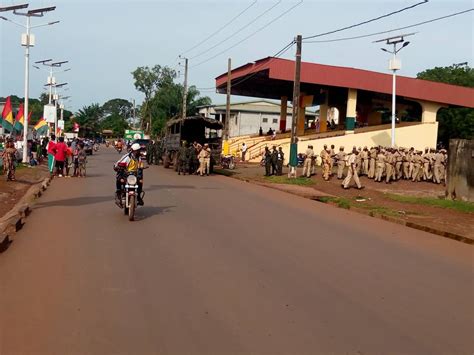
x=127 y=200
x=228 y=162
x=96 y=147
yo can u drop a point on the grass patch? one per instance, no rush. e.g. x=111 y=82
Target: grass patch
x=461 y=206
x=339 y=201
x=301 y=181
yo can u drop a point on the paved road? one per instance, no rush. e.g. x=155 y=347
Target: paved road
x=218 y=266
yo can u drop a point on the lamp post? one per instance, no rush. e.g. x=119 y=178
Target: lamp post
x=51 y=78
x=394 y=65
x=27 y=40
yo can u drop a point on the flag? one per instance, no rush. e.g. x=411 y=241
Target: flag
x=20 y=119
x=76 y=127
x=58 y=131
x=7 y=115
x=41 y=127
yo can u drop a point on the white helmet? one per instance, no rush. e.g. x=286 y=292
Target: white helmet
x=135 y=147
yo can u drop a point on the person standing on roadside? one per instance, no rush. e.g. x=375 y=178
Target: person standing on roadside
x=8 y=156
x=50 y=149
x=60 y=151
x=352 y=171
x=281 y=158
x=308 y=161
x=244 y=151
x=267 y=156
x=341 y=163
x=274 y=160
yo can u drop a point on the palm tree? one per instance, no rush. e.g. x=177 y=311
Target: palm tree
x=88 y=118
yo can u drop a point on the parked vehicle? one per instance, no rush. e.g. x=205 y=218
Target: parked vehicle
x=228 y=162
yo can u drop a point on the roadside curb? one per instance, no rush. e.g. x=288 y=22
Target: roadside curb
x=315 y=197
x=14 y=220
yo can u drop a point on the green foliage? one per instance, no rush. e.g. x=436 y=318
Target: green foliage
x=164 y=97
x=301 y=181
x=461 y=206
x=88 y=119
x=453 y=122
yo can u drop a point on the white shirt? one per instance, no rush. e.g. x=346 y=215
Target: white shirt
x=244 y=148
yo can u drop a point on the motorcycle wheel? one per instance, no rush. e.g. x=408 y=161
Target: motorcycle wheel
x=131 y=210
x=125 y=211
x=232 y=164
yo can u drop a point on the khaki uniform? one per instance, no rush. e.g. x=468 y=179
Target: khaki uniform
x=438 y=168
x=332 y=154
x=204 y=161
x=380 y=166
x=406 y=159
x=351 y=172
x=389 y=159
x=373 y=158
x=398 y=173
x=307 y=162
x=327 y=163
x=341 y=164
x=365 y=161
x=427 y=158
x=416 y=160
x=412 y=164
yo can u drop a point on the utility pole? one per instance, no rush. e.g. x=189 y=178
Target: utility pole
x=27 y=40
x=295 y=113
x=185 y=93
x=394 y=65
x=227 y=106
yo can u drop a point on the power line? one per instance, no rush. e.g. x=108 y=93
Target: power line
x=239 y=30
x=394 y=29
x=249 y=36
x=221 y=28
x=367 y=21
x=275 y=56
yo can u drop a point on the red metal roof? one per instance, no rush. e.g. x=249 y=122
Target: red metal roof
x=328 y=75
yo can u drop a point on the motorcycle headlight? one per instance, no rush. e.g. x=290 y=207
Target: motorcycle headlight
x=131 y=179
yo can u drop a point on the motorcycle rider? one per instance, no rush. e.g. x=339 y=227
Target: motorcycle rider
x=130 y=162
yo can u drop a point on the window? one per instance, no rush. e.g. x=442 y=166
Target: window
x=265 y=120
x=275 y=120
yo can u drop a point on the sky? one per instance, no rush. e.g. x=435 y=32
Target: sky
x=106 y=40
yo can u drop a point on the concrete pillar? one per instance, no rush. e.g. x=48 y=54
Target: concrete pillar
x=351 y=110
x=429 y=111
x=301 y=121
x=283 y=113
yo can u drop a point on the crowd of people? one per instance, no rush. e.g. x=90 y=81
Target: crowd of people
x=64 y=158
x=194 y=159
x=383 y=164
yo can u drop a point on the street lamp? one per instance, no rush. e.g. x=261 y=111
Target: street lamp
x=51 y=78
x=27 y=40
x=394 y=65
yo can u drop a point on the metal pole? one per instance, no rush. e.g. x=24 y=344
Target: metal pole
x=185 y=93
x=50 y=83
x=227 y=106
x=394 y=95
x=27 y=84
x=55 y=111
x=296 y=99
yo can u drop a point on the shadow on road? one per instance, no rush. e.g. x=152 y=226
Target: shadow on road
x=148 y=212
x=77 y=201
x=177 y=187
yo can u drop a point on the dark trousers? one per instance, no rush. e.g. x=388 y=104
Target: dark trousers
x=274 y=168
x=280 y=167
x=267 y=168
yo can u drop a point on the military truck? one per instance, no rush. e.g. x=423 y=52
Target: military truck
x=191 y=129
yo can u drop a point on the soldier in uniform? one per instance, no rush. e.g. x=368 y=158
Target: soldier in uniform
x=192 y=155
x=427 y=158
x=149 y=152
x=373 y=158
x=341 y=162
x=417 y=164
x=389 y=162
x=326 y=161
x=308 y=161
x=332 y=155
x=380 y=165
x=267 y=156
x=364 y=155
x=183 y=159
x=412 y=154
x=281 y=158
x=352 y=171
x=157 y=147
x=274 y=160
x=398 y=173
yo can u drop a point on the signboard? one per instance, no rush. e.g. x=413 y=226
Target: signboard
x=133 y=134
x=49 y=113
x=61 y=124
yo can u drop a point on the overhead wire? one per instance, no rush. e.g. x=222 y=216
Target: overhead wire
x=220 y=28
x=249 y=36
x=391 y=30
x=238 y=31
x=272 y=58
x=367 y=21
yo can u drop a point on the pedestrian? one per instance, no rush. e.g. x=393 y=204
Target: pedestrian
x=308 y=161
x=9 y=157
x=60 y=151
x=244 y=151
x=281 y=158
x=274 y=160
x=341 y=163
x=50 y=149
x=352 y=170
x=267 y=156
x=81 y=160
x=204 y=160
x=68 y=161
x=183 y=159
x=260 y=132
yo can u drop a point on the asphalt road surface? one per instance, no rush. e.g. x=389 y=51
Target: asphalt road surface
x=218 y=266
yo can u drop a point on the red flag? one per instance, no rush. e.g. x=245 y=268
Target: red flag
x=76 y=127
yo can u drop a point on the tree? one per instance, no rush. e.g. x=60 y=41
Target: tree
x=116 y=114
x=453 y=122
x=149 y=81
x=89 y=118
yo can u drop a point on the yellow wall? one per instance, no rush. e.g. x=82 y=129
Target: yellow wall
x=418 y=136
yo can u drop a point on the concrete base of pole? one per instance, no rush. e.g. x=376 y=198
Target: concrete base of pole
x=292 y=173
